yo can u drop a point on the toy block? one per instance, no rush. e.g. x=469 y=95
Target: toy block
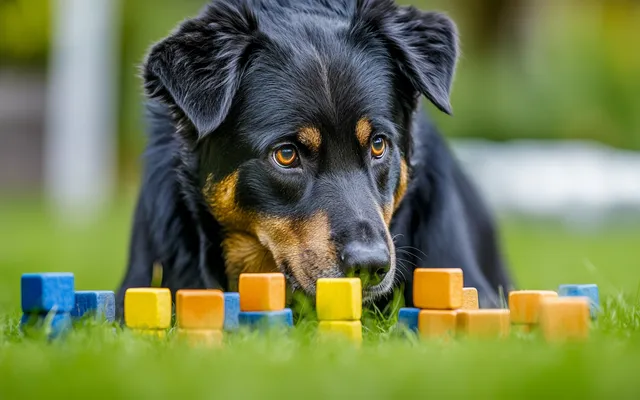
x=350 y=330
x=339 y=299
x=470 y=298
x=588 y=290
x=147 y=308
x=437 y=288
x=486 y=323
x=262 y=292
x=46 y=292
x=525 y=305
x=231 y=311
x=100 y=304
x=265 y=319
x=565 y=318
x=408 y=317
x=54 y=324
x=201 y=337
x=200 y=309
x=159 y=333
x=437 y=323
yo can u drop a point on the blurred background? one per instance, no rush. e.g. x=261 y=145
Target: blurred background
x=546 y=119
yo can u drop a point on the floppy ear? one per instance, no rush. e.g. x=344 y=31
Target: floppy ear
x=198 y=68
x=423 y=44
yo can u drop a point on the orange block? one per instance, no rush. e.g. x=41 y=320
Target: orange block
x=201 y=337
x=565 y=318
x=200 y=309
x=437 y=323
x=437 y=288
x=487 y=323
x=525 y=305
x=470 y=298
x=262 y=292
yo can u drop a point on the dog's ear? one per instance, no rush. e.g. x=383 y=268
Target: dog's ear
x=197 y=69
x=423 y=44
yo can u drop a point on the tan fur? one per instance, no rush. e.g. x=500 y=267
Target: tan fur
x=363 y=131
x=402 y=184
x=310 y=137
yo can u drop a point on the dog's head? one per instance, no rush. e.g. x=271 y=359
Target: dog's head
x=300 y=125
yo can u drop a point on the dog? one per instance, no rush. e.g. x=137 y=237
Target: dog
x=291 y=136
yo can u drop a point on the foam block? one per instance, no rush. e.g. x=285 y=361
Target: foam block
x=408 y=317
x=437 y=288
x=231 y=311
x=147 y=308
x=266 y=319
x=56 y=324
x=486 y=323
x=262 y=292
x=339 y=299
x=470 y=298
x=100 y=304
x=437 y=323
x=525 y=305
x=201 y=337
x=351 y=330
x=46 y=292
x=565 y=318
x=585 y=290
x=200 y=309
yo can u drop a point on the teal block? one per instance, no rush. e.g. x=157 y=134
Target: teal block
x=231 y=311
x=100 y=303
x=42 y=293
x=583 y=290
x=266 y=319
x=56 y=323
x=408 y=317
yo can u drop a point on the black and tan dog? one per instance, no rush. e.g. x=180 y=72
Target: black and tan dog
x=288 y=135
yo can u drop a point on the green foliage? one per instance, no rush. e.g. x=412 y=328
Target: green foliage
x=24 y=31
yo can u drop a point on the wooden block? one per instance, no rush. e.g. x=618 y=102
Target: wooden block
x=525 y=305
x=231 y=311
x=339 y=299
x=408 y=317
x=200 y=309
x=583 y=290
x=46 y=292
x=437 y=323
x=266 y=319
x=470 y=298
x=350 y=330
x=565 y=318
x=159 y=333
x=99 y=304
x=262 y=292
x=523 y=328
x=486 y=323
x=437 y=288
x=201 y=337
x=147 y=308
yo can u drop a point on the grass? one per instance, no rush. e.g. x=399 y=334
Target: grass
x=95 y=361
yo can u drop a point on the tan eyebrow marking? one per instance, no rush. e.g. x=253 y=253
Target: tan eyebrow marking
x=310 y=137
x=363 y=131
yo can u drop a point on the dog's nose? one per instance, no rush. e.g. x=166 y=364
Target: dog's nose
x=370 y=262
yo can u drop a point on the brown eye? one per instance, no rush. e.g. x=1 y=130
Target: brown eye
x=286 y=156
x=378 y=146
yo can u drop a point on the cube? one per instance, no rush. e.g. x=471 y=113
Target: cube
x=525 y=305
x=408 y=317
x=266 y=319
x=565 y=318
x=585 y=290
x=200 y=309
x=486 y=323
x=99 y=303
x=158 y=333
x=201 y=337
x=350 y=330
x=437 y=323
x=56 y=324
x=262 y=292
x=339 y=299
x=46 y=292
x=470 y=298
x=147 y=308
x=231 y=311
x=437 y=288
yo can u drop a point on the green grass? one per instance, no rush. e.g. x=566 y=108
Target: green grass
x=95 y=361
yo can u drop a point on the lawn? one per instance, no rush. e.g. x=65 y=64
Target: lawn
x=95 y=362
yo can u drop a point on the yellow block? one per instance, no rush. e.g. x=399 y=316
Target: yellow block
x=437 y=323
x=201 y=337
x=339 y=299
x=525 y=305
x=161 y=333
x=565 y=318
x=470 y=298
x=486 y=323
x=437 y=288
x=262 y=292
x=200 y=309
x=351 y=330
x=147 y=308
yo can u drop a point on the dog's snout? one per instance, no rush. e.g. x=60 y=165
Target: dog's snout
x=369 y=261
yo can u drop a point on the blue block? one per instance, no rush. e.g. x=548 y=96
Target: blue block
x=266 y=319
x=100 y=303
x=408 y=317
x=59 y=323
x=42 y=293
x=231 y=311
x=587 y=290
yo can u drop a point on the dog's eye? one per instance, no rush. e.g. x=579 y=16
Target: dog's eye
x=378 y=147
x=286 y=156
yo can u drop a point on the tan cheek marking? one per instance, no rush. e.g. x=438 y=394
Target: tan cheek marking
x=402 y=184
x=221 y=198
x=363 y=131
x=311 y=138
x=244 y=253
x=387 y=213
